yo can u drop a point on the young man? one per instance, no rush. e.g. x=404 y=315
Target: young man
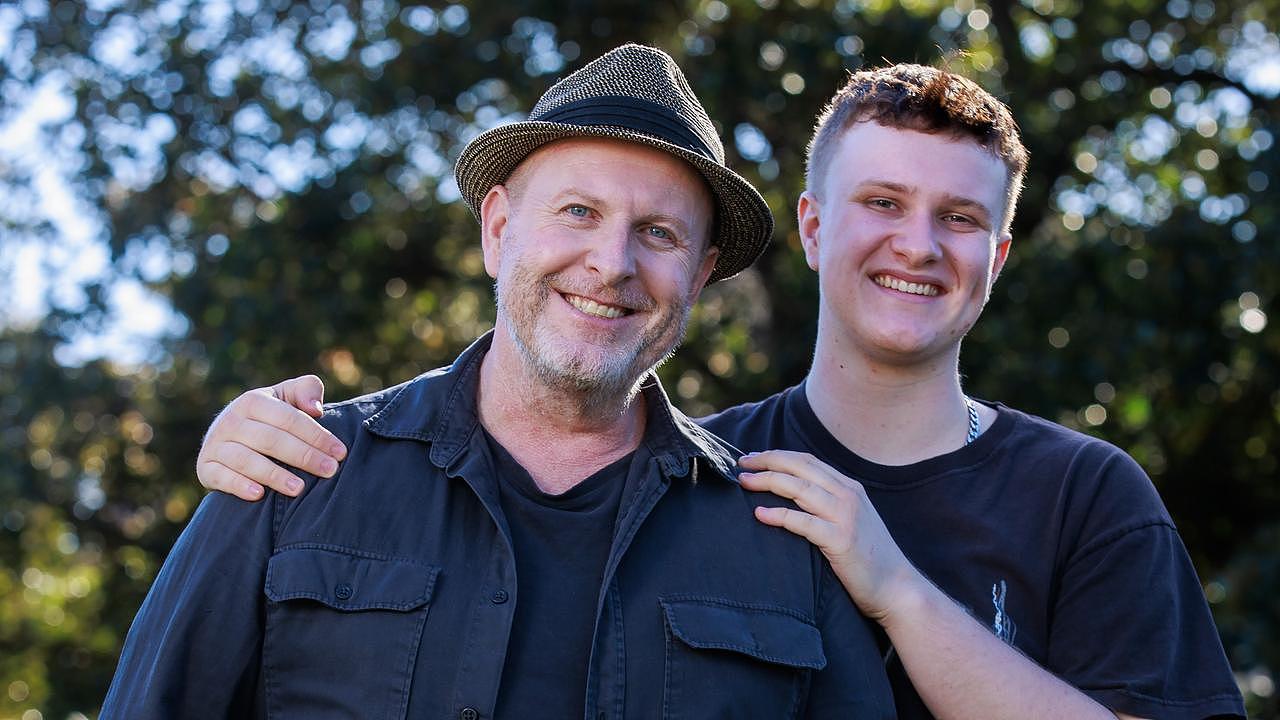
x=533 y=531
x=1018 y=569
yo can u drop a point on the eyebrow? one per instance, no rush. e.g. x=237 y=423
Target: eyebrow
x=957 y=201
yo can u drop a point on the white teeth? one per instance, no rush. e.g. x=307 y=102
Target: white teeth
x=906 y=287
x=591 y=307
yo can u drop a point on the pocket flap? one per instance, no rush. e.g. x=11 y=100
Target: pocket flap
x=349 y=580
x=768 y=633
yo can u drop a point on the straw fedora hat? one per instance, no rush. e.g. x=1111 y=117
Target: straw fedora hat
x=638 y=94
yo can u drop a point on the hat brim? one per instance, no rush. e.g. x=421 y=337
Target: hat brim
x=743 y=224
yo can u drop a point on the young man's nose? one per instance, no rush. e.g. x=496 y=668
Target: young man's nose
x=916 y=239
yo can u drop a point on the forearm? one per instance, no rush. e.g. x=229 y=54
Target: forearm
x=961 y=670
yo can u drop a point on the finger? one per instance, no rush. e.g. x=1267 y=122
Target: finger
x=799 y=464
x=809 y=527
x=224 y=479
x=253 y=466
x=808 y=495
x=281 y=416
x=276 y=444
x=305 y=393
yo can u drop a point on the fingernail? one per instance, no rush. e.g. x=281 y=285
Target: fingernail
x=295 y=485
x=337 y=450
x=328 y=467
x=253 y=489
x=318 y=407
x=750 y=454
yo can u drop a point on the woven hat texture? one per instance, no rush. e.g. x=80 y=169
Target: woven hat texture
x=637 y=94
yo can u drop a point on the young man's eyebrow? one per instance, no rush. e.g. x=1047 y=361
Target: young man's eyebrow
x=968 y=203
x=958 y=201
x=884 y=185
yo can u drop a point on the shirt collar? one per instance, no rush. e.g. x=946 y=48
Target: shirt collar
x=439 y=407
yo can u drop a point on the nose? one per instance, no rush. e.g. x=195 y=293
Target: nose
x=916 y=240
x=612 y=255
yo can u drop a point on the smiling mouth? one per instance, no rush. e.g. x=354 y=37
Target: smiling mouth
x=893 y=283
x=591 y=307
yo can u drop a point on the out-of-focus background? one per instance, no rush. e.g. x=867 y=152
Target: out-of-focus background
x=197 y=197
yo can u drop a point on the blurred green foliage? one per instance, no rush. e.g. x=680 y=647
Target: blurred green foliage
x=280 y=173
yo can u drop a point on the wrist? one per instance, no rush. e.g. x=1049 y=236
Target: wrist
x=908 y=599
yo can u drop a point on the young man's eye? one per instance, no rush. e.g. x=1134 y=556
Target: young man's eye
x=882 y=203
x=961 y=219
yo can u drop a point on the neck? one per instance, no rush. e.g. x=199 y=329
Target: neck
x=892 y=414
x=561 y=437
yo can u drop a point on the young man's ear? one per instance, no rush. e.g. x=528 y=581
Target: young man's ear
x=808 y=223
x=495 y=210
x=1003 y=243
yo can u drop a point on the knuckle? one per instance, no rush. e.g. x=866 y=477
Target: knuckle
x=310 y=456
x=277 y=478
x=314 y=433
x=260 y=400
x=204 y=473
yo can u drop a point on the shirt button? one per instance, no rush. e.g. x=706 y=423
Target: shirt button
x=499 y=597
x=468 y=713
x=342 y=591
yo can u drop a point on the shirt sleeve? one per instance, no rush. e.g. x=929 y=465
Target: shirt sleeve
x=1131 y=627
x=853 y=684
x=194 y=648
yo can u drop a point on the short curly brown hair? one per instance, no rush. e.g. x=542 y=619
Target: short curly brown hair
x=924 y=99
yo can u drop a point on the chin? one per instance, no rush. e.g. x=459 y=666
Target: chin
x=902 y=348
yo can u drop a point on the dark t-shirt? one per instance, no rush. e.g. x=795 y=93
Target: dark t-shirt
x=560 y=543
x=1054 y=540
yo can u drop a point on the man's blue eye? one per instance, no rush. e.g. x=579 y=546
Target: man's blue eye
x=659 y=233
x=578 y=211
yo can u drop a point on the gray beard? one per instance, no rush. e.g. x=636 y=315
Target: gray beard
x=610 y=388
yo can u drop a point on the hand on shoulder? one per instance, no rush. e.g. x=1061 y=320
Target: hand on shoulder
x=266 y=424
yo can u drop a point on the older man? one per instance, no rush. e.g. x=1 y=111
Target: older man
x=532 y=531
x=1020 y=570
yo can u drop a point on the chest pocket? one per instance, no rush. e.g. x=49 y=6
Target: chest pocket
x=728 y=659
x=342 y=632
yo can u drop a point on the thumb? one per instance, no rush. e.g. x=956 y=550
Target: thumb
x=305 y=393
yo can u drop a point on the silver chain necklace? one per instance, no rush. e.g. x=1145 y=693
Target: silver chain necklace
x=973 y=420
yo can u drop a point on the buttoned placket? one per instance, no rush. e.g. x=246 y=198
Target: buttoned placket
x=485 y=648
x=606 y=674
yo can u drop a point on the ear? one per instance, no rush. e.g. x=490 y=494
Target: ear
x=495 y=210
x=704 y=272
x=1003 y=244
x=808 y=223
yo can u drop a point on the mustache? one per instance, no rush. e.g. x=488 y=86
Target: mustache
x=628 y=297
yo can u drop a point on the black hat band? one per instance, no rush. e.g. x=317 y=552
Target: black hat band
x=630 y=113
